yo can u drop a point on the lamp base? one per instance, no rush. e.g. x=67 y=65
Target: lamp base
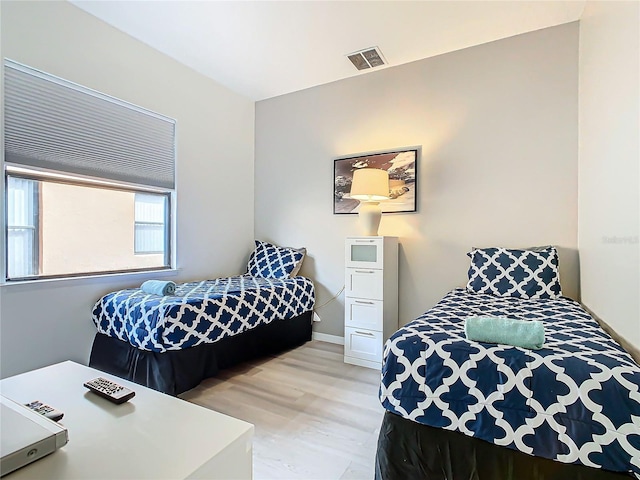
x=369 y=216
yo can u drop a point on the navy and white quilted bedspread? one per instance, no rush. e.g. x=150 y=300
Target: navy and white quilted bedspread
x=576 y=400
x=200 y=312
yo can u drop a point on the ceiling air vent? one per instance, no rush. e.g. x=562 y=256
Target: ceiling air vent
x=368 y=58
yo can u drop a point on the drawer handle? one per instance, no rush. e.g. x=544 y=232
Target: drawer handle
x=365 y=241
x=368 y=334
x=363 y=302
x=365 y=271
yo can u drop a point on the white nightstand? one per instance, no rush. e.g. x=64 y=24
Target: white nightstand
x=371 y=298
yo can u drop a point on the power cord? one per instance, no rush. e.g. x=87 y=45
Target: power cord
x=330 y=300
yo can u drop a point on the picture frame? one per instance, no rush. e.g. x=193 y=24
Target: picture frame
x=403 y=180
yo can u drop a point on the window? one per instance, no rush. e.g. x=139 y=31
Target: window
x=89 y=180
x=22 y=226
x=150 y=220
x=58 y=228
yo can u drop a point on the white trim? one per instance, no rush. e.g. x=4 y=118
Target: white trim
x=39 y=173
x=325 y=337
x=363 y=363
x=145 y=274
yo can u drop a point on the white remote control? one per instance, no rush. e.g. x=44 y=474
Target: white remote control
x=46 y=410
x=110 y=390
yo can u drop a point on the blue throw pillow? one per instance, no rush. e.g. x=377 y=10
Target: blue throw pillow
x=271 y=261
x=530 y=274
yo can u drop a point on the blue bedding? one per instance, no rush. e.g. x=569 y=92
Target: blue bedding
x=576 y=400
x=200 y=312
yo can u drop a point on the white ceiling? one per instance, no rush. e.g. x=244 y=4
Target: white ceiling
x=261 y=49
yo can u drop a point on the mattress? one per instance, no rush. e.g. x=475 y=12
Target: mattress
x=200 y=312
x=576 y=400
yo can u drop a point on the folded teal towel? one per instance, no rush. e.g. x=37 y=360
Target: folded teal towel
x=506 y=331
x=159 y=287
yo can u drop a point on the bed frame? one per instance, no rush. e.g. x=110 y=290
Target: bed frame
x=176 y=371
x=408 y=450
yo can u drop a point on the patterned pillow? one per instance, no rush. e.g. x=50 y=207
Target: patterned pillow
x=531 y=273
x=271 y=261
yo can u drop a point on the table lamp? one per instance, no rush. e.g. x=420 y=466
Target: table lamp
x=370 y=185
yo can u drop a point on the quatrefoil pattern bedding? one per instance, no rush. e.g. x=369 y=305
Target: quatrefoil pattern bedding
x=200 y=312
x=506 y=272
x=271 y=261
x=576 y=400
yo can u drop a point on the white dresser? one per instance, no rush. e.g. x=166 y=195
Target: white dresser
x=152 y=436
x=371 y=298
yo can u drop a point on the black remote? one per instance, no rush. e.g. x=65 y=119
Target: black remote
x=46 y=410
x=110 y=390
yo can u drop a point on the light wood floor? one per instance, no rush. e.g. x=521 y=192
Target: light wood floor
x=315 y=417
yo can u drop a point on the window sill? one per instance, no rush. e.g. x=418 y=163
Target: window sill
x=147 y=274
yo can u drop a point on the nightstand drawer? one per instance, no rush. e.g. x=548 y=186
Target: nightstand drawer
x=364 y=283
x=365 y=252
x=361 y=313
x=363 y=344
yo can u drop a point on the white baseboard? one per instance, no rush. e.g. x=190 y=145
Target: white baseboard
x=324 y=337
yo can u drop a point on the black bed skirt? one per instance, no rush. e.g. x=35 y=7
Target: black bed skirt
x=176 y=371
x=411 y=451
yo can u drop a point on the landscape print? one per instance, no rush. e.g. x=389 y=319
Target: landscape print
x=401 y=166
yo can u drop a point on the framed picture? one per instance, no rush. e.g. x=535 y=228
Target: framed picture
x=401 y=166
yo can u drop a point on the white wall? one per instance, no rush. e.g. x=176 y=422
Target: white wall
x=49 y=322
x=498 y=128
x=609 y=212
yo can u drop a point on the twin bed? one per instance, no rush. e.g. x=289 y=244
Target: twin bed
x=171 y=343
x=461 y=409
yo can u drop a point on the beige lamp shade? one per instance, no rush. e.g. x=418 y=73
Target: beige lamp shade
x=370 y=185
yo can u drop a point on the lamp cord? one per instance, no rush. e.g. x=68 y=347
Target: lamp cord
x=330 y=300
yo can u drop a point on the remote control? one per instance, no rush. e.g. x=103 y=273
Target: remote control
x=110 y=390
x=46 y=410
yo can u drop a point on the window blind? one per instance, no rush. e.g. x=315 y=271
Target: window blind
x=58 y=125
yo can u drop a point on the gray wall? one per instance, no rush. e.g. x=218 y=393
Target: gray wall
x=42 y=323
x=609 y=202
x=497 y=125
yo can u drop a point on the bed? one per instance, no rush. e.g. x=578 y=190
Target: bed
x=172 y=342
x=457 y=408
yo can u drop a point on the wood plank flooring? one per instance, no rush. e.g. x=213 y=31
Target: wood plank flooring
x=315 y=417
